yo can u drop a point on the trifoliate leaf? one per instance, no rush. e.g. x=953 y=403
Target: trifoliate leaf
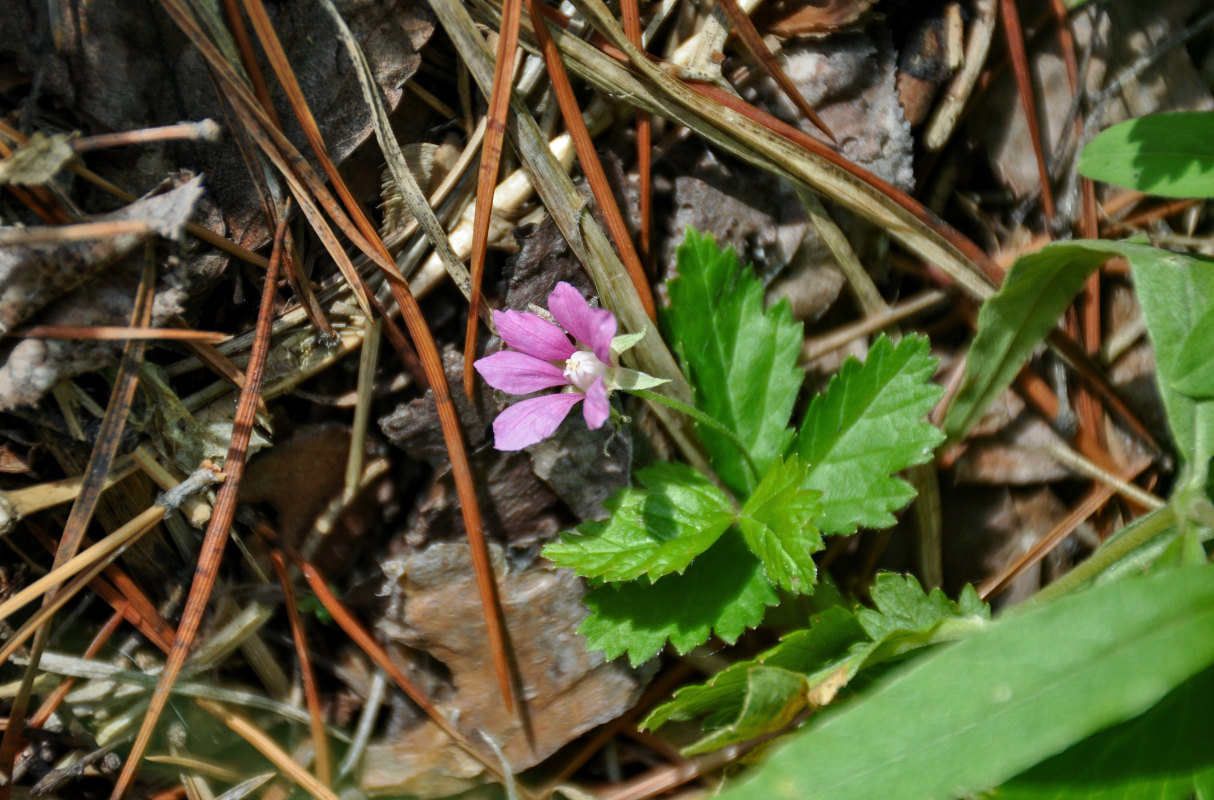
x=722 y=592
x=654 y=529
x=866 y=426
x=777 y=525
x=741 y=360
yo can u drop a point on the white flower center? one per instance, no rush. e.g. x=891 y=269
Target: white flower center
x=582 y=368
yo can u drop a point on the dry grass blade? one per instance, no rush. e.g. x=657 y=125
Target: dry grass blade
x=486 y=180
x=320 y=744
x=209 y=556
x=267 y=747
x=16 y=504
x=763 y=140
x=754 y=43
x=101 y=459
x=107 y=547
x=115 y=333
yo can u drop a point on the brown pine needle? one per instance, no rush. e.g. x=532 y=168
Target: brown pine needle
x=632 y=29
x=255 y=736
x=755 y=45
x=486 y=179
x=320 y=743
x=591 y=166
x=207 y=569
x=1024 y=86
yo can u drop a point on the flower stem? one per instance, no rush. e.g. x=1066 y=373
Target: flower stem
x=701 y=417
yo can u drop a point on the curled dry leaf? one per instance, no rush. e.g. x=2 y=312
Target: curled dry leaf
x=37 y=161
x=567 y=690
x=86 y=284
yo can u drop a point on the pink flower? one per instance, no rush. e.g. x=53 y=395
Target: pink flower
x=543 y=357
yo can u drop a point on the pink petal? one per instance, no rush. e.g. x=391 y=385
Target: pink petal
x=597 y=410
x=530 y=421
x=533 y=335
x=518 y=373
x=593 y=327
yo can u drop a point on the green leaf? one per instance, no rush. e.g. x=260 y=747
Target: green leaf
x=652 y=531
x=1193 y=374
x=814 y=654
x=776 y=523
x=1035 y=292
x=1165 y=754
x=1174 y=290
x=969 y=716
x=867 y=425
x=902 y=607
x=1165 y=154
x=741 y=360
x=723 y=591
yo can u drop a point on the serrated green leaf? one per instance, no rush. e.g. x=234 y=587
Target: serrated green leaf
x=866 y=426
x=776 y=523
x=741 y=360
x=814 y=653
x=654 y=529
x=901 y=606
x=722 y=592
x=1165 y=154
x=969 y=716
x=1166 y=754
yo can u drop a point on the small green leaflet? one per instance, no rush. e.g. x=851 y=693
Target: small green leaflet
x=740 y=359
x=866 y=426
x=776 y=524
x=652 y=531
x=902 y=607
x=827 y=656
x=723 y=591
x=1164 y=154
